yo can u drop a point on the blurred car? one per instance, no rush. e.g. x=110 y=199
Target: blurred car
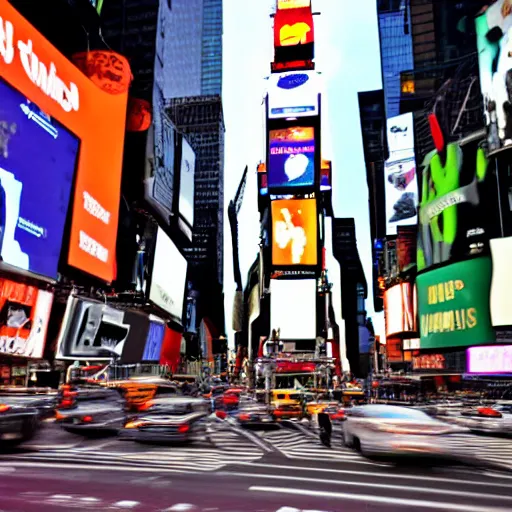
x=42 y=399
x=231 y=398
x=286 y=404
x=255 y=415
x=183 y=419
x=336 y=413
x=491 y=420
x=18 y=422
x=387 y=430
x=91 y=409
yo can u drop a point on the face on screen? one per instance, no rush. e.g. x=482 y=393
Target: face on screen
x=294 y=235
x=292 y=157
x=37 y=164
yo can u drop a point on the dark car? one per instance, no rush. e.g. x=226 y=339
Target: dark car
x=170 y=419
x=18 y=423
x=43 y=399
x=91 y=409
x=255 y=415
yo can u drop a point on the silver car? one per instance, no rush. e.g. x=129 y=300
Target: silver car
x=387 y=430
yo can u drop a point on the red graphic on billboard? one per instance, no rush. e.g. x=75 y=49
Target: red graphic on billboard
x=293 y=27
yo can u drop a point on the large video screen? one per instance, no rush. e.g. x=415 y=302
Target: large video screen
x=168 y=277
x=292 y=157
x=187 y=173
x=37 y=165
x=294 y=232
x=293 y=308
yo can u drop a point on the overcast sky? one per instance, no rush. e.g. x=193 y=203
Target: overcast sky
x=347 y=54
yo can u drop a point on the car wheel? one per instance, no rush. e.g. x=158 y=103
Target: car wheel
x=29 y=429
x=356 y=443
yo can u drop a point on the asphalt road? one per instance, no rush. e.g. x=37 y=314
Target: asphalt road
x=283 y=470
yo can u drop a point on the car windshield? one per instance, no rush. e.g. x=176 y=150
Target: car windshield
x=390 y=412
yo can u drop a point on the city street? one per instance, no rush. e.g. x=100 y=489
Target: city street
x=240 y=471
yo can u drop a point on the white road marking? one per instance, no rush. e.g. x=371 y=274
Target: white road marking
x=98 y=467
x=375 y=485
x=181 y=507
x=377 y=474
x=368 y=498
x=126 y=504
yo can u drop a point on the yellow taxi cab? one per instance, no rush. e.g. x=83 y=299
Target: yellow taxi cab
x=286 y=404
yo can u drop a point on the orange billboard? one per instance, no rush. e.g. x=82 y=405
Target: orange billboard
x=30 y=64
x=294 y=232
x=293 y=27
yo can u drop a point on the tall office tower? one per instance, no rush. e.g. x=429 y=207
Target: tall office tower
x=396 y=50
x=194 y=52
x=200 y=118
x=353 y=285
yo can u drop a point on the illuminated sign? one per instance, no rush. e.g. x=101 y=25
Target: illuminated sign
x=43 y=75
x=294 y=30
x=453 y=305
x=400 y=309
x=294 y=232
x=292 y=4
x=490 y=359
x=429 y=362
x=291 y=157
x=293 y=94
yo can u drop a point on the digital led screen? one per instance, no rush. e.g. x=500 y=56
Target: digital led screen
x=293 y=27
x=294 y=232
x=291 y=157
x=93 y=115
x=168 y=278
x=501 y=283
x=187 y=173
x=400 y=309
x=293 y=308
x=37 y=165
x=490 y=359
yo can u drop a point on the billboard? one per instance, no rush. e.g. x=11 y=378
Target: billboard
x=24 y=316
x=187 y=173
x=291 y=157
x=292 y=4
x=453 y=217
x=453 y=305
x=168 y=277
x=400 y=309
x=293 y=94
x=401 y=186
x=153 y=346
x=490 y=359
x=294 y=232
x=493 y=43
x=406 y=247
x=37 y=166
x=293 y=308
x=94 y=116
x=501 y=284
x=293 y=27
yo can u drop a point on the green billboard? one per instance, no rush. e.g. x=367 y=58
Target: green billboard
x=453 y=305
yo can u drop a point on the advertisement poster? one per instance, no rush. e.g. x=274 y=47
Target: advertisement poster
x=293 y=27
x=37 y=165
x=494 y=31
x=154 y=341
x=169 y=275
x=452 y=216
x=188 y=164
x=400 y=309
x=401 y=184
x=294 y=232
x=501 y=284
x=490 y=359
x=293 y=94
x=291 y=158
x=24 y=316
x=453 y=305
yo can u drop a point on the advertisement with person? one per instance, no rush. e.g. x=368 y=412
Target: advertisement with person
x=453 y=214
x=494 y=42
x=453 y=305
x=293 y=94
x=37 y=166
x=24 y=315
x=401 y=186
x=153 y=346
x=187 y=174
x=169 y=275
x=94 y=116
x=291 y=157
x=294 y=232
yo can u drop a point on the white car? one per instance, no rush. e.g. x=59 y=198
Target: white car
x=387 y=430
